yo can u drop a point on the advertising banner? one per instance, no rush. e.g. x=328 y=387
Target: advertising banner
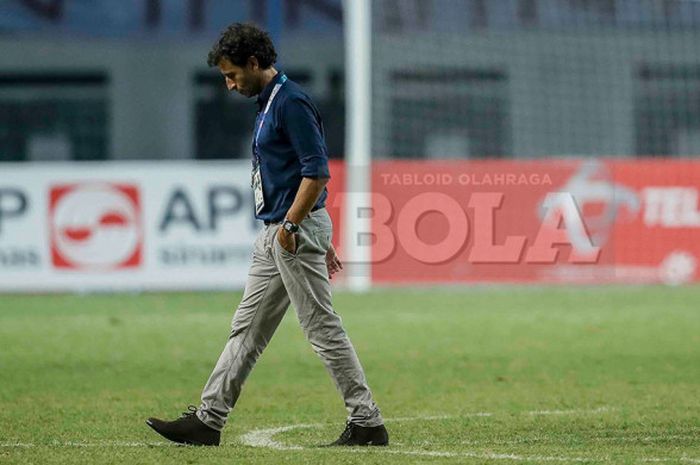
x=133 y=226
x=548 y=221
x=125 y=226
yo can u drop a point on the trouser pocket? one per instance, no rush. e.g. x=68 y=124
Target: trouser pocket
x=297 y=242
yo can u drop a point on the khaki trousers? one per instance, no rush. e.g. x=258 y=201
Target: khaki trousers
x=276 y=278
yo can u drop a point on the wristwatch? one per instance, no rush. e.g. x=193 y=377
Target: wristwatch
x=290 y=227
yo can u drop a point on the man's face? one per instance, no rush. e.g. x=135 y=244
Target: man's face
x=243 y=79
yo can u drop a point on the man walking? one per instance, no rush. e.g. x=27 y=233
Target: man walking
x=293 y=257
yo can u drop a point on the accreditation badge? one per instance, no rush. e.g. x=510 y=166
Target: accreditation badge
x=258 y=190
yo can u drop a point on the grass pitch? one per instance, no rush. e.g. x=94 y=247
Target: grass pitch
x=502 y=376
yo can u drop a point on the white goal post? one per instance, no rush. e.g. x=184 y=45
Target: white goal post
x=358 y=37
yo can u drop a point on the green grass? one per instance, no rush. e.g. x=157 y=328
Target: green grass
x=622 y=364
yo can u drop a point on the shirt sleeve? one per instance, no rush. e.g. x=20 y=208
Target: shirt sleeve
x=302 y=124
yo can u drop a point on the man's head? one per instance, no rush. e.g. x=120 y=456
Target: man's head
x=243 y=53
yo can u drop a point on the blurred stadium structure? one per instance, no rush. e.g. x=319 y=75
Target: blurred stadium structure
x=536 y=78
x=478 y=79
x=465 y=80
x=111 y=80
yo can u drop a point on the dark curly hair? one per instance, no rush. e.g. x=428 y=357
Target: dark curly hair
x=241 y=41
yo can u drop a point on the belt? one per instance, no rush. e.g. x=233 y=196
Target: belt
x=269 y=222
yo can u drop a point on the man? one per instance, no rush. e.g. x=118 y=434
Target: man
x=293 y=257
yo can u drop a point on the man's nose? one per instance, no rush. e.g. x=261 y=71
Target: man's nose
x=230 y=84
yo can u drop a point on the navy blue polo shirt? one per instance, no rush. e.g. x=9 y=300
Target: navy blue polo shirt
x=291 y=146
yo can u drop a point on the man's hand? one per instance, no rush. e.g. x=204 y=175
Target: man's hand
x=287 y=240
x=332 y=262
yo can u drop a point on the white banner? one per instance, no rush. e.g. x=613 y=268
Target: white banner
x=125 y=226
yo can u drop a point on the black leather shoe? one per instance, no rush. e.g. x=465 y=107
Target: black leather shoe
x=356 y=435
x=188 y=429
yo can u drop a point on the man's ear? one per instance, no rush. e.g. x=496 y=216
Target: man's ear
x=253 y=63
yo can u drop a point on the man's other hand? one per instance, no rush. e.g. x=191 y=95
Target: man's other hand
x=332 y=262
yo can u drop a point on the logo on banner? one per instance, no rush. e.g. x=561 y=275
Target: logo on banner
x=599 y=200
x=95 y=226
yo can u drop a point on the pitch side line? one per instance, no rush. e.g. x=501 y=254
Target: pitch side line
x=660 y=437
x=569 y=412
x=77 y=444
x=519 y=458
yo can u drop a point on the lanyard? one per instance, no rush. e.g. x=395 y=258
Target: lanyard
x=275 y=89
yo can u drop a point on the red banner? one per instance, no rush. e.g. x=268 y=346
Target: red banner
x=568 y=221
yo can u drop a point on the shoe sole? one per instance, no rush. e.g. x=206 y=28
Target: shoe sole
x=369 y=444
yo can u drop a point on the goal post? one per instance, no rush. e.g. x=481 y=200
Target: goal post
x=358 y=36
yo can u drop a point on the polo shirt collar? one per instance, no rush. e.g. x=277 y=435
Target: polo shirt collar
x=265 y=94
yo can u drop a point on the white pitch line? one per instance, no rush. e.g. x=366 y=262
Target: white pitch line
x=491 y=456
x=682 y=459
x=263 y=437
x=438 y=417
x=661 y=437
x=589 y=438
x=88 y=444
x=511 y=457
x=78 y=444
x=569 y=412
